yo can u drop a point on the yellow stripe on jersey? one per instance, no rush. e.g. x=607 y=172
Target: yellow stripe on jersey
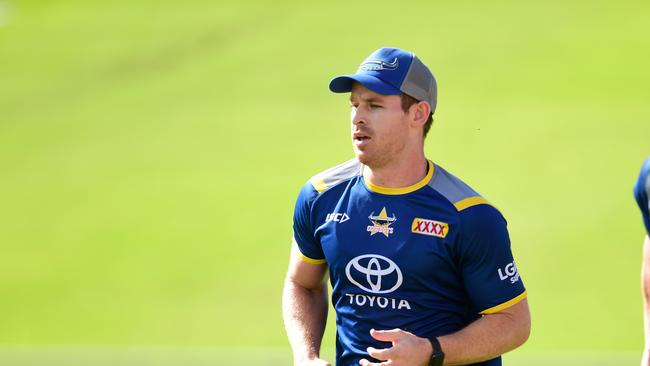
x=403 y=190
x=311 y=260
x=505 y=305
x=471 y=201
x=305 y=258
x=319 y=184
x=333 y=176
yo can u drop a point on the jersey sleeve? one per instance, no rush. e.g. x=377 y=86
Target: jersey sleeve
x=641 y=193
x=489 y=272
x=303 y=228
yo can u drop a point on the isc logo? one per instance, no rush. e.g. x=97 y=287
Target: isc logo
x=337 y=217
x=509 y=272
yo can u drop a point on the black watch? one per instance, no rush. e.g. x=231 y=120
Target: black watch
x=437 y=356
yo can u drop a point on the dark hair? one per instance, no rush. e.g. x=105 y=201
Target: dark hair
x=407 y=102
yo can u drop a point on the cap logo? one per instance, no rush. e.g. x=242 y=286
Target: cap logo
x=377 y=65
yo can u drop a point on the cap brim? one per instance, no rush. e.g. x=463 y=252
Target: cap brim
x=343 y=84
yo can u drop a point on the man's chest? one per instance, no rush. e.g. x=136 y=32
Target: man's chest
x=382 y=243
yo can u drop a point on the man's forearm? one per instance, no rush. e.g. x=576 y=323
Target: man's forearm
x=487 y=337
x=305 y=314
x=645 y=288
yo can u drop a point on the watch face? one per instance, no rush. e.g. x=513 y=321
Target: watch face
x=437 y=359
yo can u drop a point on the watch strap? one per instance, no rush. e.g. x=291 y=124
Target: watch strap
x=437 y=356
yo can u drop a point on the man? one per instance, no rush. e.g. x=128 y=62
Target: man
x=642 y=195
x=420 y=264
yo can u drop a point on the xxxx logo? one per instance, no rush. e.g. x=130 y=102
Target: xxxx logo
x=429 y=227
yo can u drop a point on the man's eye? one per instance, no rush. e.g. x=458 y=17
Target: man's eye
x=375 y=106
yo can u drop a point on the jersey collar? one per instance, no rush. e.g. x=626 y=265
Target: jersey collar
x=403 y=190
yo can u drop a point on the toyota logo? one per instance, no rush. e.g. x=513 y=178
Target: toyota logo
x=374 y=273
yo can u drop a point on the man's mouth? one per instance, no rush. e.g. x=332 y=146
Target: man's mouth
x=360 y=137
x=360 y=141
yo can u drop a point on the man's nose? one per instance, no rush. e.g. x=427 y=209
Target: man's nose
x=358 y=117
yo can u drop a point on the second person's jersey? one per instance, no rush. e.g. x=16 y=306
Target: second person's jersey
x=642 y=193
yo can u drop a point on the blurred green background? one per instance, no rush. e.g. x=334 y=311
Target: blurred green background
x=151 y=153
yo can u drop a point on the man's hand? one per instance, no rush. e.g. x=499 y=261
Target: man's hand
x=407 y=350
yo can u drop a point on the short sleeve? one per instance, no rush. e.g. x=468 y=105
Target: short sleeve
x=303 y=229
x=641 y=193
x=489 y=271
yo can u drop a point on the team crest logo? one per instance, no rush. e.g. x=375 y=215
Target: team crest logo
x=381 y=223
x=429 y=227
x=377 y=65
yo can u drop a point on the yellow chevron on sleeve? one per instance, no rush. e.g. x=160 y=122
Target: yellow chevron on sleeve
x=319 y=184
x=311 y=260
x=470 y=201
x=507 y=304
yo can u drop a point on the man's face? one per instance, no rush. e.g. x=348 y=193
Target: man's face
x=379 y=126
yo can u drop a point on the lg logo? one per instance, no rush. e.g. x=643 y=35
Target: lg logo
x=374 y=273
x=509 y=272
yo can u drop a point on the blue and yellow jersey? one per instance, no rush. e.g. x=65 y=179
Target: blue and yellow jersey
x=429 y=258
x=642 y=193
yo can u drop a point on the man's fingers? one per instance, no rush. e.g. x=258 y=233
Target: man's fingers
x=380 y=354
x=365 y=362
x=387 y=335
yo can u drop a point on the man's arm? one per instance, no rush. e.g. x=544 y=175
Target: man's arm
x=484 y=339
x=489 y=336
x=304 y=308
x=645 y=288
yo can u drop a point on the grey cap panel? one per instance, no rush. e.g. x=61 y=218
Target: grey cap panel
x=420 y=83
x=450 y=186
x=335 y=175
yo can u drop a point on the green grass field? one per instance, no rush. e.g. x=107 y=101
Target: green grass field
x=151 y=153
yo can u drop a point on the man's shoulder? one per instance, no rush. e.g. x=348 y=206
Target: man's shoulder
x=335 y=175
x=643 y=183
x=642 y=192
x=456 y=191
x=642 y=187
x=645 y=169
x=323 y=182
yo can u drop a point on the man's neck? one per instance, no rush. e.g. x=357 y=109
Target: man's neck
x=397 y=174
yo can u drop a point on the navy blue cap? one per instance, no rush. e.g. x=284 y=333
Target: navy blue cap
x=392 y=71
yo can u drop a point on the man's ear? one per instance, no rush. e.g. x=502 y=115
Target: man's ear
x=420 y=112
